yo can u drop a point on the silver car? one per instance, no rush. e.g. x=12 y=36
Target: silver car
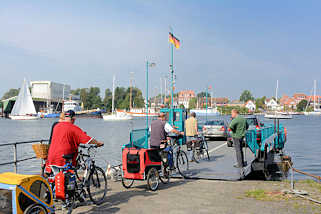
x=215 y=128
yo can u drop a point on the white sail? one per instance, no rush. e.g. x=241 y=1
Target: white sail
x=24 y=104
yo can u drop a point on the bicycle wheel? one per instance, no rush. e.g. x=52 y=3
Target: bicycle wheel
x=205 y=149
x=182 y=163
x=36 y=209
x=153 y=179
x=164 y=175
x=97 y=185
x=197 y=156
x=127 y=183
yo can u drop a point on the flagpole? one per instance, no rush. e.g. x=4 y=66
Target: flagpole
x=172 y=77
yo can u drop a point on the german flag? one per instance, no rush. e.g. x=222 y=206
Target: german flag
x=174 y=40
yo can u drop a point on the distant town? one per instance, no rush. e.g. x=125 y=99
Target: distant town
x=50 y=95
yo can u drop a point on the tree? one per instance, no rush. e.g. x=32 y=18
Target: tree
x=93 y=98
x=301 y=105
x=260 y=103
x=75 y=92
x=181 y=106
x=108 y=99
x=203 y=94
x=192 y=103
x=11 y=93
x=138 y=99
x=246 y=96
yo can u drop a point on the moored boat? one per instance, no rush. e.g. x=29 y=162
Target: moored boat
x=24 y=108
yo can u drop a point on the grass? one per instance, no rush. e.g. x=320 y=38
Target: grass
x=311 y=183
x=258 y=194
x=262 y=195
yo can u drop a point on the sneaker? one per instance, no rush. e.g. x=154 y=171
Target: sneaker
x=236 y=165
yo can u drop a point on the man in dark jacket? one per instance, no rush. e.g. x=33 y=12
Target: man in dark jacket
x=238 y=127
x=158 y=131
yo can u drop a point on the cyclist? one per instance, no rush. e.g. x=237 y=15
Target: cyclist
x=191 y=132
x=66 y=138
x=158 y=133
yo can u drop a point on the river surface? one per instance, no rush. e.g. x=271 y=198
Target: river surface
x=303 y=144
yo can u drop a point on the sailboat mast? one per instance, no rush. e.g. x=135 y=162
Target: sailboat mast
x=276 y=91
x=314 y=94
x=131 y=92
x=113 y=98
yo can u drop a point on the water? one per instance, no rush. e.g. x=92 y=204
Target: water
x=303 y=144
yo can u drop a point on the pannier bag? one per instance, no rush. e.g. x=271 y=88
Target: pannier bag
x=65 y=182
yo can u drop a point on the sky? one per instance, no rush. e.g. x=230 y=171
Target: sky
x=229 y=45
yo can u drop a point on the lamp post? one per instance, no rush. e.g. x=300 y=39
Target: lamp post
x=148 y=64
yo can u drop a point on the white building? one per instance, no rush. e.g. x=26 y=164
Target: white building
x=271 y=104
x=184 y=97
x=49 y=90
x=250 y=105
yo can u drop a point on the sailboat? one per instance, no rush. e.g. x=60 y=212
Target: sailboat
x=115 y=115
x=24 y=109
x=316 y=111
x=276 y=114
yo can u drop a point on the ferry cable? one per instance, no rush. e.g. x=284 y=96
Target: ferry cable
x=299 y=193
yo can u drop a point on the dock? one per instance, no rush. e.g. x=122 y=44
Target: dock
x=220 y=166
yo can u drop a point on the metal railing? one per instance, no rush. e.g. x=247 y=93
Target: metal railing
x=15 y=158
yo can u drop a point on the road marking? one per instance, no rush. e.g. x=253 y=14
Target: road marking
x=216 y=148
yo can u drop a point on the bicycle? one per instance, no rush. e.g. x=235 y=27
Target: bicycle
x=93 y=182
x=200 y=149
x=173 y=149
x=96 y=181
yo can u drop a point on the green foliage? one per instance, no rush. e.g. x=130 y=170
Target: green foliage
x=203 y=94
x=260 y=103
x=122 y=98
x=226 y=110
x=301 y=105
x=11 y=93
x=182 y=106
x=192 y=103
x=91 y=98
x=75 y=92
x=246 y=96
x=108 y=100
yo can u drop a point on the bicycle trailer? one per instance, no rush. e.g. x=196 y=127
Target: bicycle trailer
x=23 y=193
x=137 y=162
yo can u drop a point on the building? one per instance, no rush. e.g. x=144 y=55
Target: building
x=288 y=102
x=48 y=90
x=271 y=104
x=220 y=101
x=184 y=97
x=299 y=97
x=250 y=106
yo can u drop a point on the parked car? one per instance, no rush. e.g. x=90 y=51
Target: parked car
x=215 y=128
x=253 y=123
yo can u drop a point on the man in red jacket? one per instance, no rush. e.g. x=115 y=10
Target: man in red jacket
x=66 y=138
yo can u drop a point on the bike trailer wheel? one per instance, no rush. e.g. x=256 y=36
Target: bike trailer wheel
x=153 y=179
x=127 y=183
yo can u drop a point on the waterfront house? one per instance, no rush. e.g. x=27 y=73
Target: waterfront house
x=299 y=97
x=184 y=97
x=250 y=106
x=271 y=104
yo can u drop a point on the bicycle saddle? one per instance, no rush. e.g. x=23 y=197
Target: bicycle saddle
x=68 y=156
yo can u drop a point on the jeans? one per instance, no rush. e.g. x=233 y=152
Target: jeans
x=239 y=151
x=190 y=150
